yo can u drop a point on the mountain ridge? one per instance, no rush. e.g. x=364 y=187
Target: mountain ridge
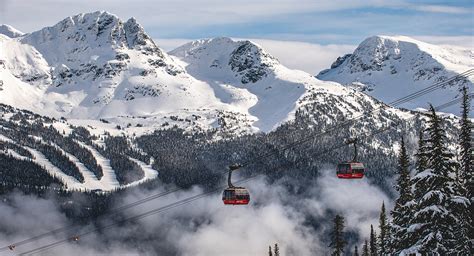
x=108 y=71
x=390 y=66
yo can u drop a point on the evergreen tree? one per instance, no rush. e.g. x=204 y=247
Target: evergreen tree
x=466 y=145
x=276 y=250
x=365 y=249
x=337 y=237
x=462 y=201
x=373 y=241
x=356 y=251
x=433 y=223
x=384 y=228
x=270 y=252
x=403 y=210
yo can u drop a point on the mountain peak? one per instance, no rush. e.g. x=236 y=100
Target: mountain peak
x=388 y=66
x=97 y=29
x=10 y=31
x=242 y=59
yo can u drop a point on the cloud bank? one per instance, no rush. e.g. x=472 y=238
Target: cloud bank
x=299 y=223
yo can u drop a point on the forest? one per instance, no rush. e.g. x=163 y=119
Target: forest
x=433 y=211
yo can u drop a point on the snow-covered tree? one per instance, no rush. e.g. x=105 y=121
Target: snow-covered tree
x=337 y=237
x=373 y=241
x=462 y=200
x=384 y=235
x=433 y=222
x=466 y=170
x=356 y=251
x=276 y=250
x=365 y=249
x=403 y=209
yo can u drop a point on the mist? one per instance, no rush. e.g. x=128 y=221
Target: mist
x=298 y=222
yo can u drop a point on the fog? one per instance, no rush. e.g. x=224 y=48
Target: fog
x=298 y=223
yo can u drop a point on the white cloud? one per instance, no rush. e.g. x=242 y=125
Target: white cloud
x=169 y=44
x=206 y=226
x=442 y=9
x=308 y=57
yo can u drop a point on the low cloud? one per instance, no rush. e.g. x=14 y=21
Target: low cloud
x=206 y=226
x=309 y=57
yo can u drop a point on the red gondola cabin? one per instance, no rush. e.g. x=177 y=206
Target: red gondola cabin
x=236 y=196
x=350 y=170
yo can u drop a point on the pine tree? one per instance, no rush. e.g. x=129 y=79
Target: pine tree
x=466 y=145
x=365 y=249
x=337 y=237
x=276 y=250
x=403 y=210
x=467 y=161
x=270 y=252
x=461 y=202
x=433 y=223
x=356 y=251
x=373 y=241
x=383 y=245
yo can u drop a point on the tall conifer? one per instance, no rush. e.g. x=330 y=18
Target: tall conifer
x=403 y=209
x=433 y=222
x=337 y=238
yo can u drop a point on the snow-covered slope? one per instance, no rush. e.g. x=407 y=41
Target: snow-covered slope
x=10 y=31
x=391 y=67
x=95 y=66
x=106 y=74
x=247 y=78
x=61 y=154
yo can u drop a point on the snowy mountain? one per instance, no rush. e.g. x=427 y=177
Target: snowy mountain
x=94 y=66
x=391 y=67
x=10 y=31
x=115 y=87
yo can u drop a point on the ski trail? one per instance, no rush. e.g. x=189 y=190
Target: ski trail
x=10 y=151
x=108 y=182
x=4 y=138
x=109 y=179
x=69 y=181
x=14 y=154
x=149 y=172
x=90 y=180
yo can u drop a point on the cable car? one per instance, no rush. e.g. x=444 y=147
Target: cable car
x=75 y=238
x=351 y=169
x=235 y=195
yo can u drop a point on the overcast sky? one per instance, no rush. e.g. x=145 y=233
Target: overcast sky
x=317 y=31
